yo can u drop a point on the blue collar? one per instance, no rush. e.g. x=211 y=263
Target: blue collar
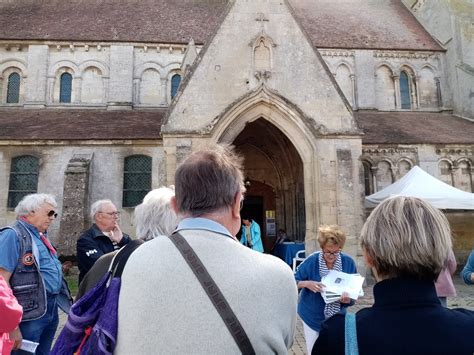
x=203 y=224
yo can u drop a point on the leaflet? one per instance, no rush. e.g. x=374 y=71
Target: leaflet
x=29 y=346
x=337 y=283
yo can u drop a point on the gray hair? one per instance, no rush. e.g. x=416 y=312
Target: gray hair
x=208 y=180
x=32 y=202
x=96 y=206
x=407 y=237
x=154 y=216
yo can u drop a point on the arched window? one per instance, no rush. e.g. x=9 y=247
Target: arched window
x=65 y=88
x=405 y=91
x=23 y=178
x=175 y=81
x=13 y=88
x=368 y=178
x=136 y=179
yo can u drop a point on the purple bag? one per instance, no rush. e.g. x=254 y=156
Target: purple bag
x=91 y=327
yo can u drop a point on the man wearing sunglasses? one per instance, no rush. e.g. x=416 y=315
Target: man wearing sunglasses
x=30 y=265
x=105 y=236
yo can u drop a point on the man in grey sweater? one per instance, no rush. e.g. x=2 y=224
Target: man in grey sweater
x=163 y=308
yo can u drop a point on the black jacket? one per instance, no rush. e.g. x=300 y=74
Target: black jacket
x=406 y=318
x=91 y=245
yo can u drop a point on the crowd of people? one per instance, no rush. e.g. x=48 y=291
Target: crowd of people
x=192 y=287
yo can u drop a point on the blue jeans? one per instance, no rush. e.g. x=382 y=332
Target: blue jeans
x=41 y=330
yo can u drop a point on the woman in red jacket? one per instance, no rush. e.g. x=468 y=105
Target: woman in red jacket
x=11 y=313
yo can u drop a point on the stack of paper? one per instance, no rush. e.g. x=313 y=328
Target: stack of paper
x=336 y=283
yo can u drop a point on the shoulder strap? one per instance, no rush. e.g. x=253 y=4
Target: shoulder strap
x=214 y=294
x=122 y=256
x=350 y=331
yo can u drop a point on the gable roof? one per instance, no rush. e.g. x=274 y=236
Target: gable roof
x=72 y=124
x=414 y=128
x=380 y=24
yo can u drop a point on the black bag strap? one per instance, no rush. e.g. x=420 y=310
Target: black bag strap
x=214 y=294
x=122 y=256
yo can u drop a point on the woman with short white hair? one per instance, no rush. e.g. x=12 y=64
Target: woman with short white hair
x=405 y=242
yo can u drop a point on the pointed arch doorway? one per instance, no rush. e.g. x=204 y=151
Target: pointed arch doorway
x=274 y=180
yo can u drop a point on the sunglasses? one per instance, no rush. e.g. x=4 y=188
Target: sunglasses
x=52 y=213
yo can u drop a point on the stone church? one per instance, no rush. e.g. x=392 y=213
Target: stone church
x=327 y=100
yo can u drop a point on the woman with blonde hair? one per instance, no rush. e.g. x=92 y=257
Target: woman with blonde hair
x=406 y=242
x=311 y=308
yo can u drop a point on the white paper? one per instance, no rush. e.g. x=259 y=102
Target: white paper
x=336 y=283
x=28 y=345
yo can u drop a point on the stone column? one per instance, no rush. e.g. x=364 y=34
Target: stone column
x=415 y=94
x=438 y=92
x=396 y=85
x=374 y=178
x=73 y=216
x=354 y=92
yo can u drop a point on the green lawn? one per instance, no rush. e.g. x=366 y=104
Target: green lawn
x=73 y=284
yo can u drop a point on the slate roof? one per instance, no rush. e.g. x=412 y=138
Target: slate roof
x=80 y=124
x=164 y=21
x=364 y=24
x=414 y=128
x=72 y=124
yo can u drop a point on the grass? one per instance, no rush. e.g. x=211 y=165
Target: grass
x=73 y=284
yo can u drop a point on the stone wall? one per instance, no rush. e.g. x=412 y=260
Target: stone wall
x=462 y=226
x=450 y=23
x=105 y=180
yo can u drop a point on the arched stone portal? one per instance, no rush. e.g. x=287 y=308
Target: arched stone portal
x=306 y=172
x=275 y=183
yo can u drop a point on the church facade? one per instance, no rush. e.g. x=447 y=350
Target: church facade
x=328 y=101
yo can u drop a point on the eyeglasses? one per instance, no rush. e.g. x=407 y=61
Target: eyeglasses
x=115 y=214
x=52 y=213
x=328 y=253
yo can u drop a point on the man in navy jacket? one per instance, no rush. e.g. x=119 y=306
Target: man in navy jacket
x=103 y=237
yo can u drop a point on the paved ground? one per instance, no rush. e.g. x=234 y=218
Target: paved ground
x=464 y=299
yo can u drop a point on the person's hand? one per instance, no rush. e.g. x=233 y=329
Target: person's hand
x=116 y=234
x=345 y=298
x=66 y=266
x=314 y=286
x=17 y=338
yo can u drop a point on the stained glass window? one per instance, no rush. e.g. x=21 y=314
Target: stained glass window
x=405 y=91
x=136 y=179
x=23 y=178
x=65 y=88
x=175 y=81
x=13 y=88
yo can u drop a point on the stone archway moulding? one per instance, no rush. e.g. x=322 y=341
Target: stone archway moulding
x=265 y=104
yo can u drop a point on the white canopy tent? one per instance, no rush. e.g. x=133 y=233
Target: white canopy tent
x=418 y=183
